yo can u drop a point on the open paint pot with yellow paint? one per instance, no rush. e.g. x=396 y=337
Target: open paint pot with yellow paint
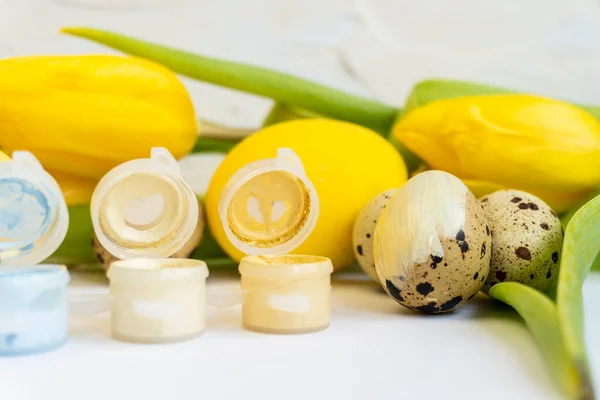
x=33 y=223
x=268 y=208
x=143 y=212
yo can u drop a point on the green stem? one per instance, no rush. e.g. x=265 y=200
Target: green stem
x=282 y=112
x=208 y=145
x=213 y=130
x=281 y=87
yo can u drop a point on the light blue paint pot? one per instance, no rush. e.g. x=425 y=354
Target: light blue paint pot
x=33 y=223
x=33 y=309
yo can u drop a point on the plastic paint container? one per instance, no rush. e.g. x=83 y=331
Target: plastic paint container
x=268 y=208
x=154 y=298
x=158 y=300
x=33 y=223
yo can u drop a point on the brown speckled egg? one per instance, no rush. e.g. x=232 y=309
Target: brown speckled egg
x=364 y=230
x=105 y=258
x=526 y=239
x=431 y=247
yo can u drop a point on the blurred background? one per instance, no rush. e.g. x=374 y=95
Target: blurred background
x=376 y=48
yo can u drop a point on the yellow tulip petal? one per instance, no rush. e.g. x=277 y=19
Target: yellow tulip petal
x=83 y=115
x=481 y=188
x=515 y=140
x=542 y=146
x=76 y=190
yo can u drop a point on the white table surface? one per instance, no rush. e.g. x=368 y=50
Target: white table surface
x=374 y=348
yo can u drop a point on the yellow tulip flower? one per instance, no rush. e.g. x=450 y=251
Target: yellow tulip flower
x=83 y=115
x=539 y=145
x=75 y=189
x=4 y=157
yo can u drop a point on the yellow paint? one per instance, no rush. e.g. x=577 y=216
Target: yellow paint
x=266 y=228
x=286 y=294
x=542 y=146
x=348 y=165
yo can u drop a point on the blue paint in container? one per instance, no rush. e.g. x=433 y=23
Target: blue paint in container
x=33 y=223
x=33 y=309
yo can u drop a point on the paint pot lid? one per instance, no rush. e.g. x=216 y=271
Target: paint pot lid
x=144 y=208
x=269 y=207
x=34 y=218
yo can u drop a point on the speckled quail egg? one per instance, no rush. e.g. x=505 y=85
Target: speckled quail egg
x=526 y=239
x=105 y=258
x=364 y=230
x=431 y=247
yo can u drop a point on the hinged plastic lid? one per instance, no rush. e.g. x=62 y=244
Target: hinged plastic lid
x=33 y=214
x=269 y=206
x=144 y=208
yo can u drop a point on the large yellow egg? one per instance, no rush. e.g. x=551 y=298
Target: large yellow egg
x=348 y=165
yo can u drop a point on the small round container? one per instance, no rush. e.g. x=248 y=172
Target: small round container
x=268 y=208
x=158 y=300
x=286 y=294
x=33 y=309
x=33 y=223
x=155 y=299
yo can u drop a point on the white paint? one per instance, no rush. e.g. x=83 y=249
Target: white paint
x=145 y=210
x=277 y=209
x=430 y=207
x=294 y=303
x=156 y=303
x=154 y=309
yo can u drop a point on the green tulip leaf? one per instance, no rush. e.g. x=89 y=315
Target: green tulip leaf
x=438 y=89
x=580 y=250
x=281 y=87
x=208 y=145
x=540 y=316
x=559 y=327
x=77 y=247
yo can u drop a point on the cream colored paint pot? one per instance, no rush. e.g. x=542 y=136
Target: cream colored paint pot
x=144 y=212
x=286 y=293
x=268 y=208
x=158 y=300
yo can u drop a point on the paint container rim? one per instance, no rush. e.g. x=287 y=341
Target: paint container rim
x=286 y=162
x=45 y=275
x=157 y=271
x=177 y=219
x=286 y=266
x=33 y=249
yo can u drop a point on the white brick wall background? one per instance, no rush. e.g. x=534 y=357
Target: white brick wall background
x=377 y=48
